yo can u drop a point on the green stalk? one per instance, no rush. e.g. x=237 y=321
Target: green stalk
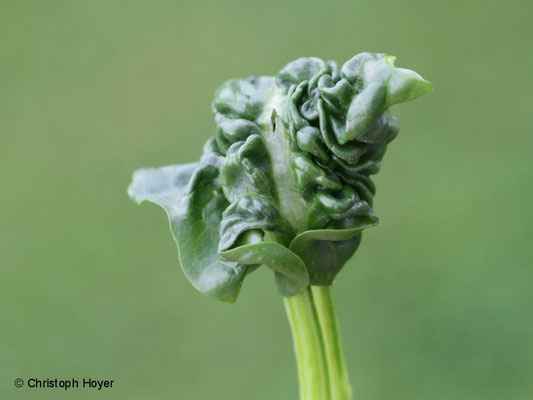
x=315 y=329
x=308 y=345
x=340 y=387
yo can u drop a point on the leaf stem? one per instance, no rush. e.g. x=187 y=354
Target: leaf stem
x=340 y=387
x=315 y=329
x=308 y=345
x=322 y=372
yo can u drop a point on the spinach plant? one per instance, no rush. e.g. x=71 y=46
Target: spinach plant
x=285 y=183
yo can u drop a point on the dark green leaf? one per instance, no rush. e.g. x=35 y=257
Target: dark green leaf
x=287 y=181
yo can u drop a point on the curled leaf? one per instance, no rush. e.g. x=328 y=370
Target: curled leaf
x=286 y=181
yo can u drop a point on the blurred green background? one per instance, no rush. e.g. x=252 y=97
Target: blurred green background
x=437 y=303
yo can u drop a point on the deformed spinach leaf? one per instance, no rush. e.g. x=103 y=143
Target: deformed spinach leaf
x=285 y=182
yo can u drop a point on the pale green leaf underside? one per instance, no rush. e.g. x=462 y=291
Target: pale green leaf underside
x=195 y=227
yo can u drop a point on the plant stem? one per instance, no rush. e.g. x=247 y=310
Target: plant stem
x=340 y=388
x=321 y=366
x=308 y=345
